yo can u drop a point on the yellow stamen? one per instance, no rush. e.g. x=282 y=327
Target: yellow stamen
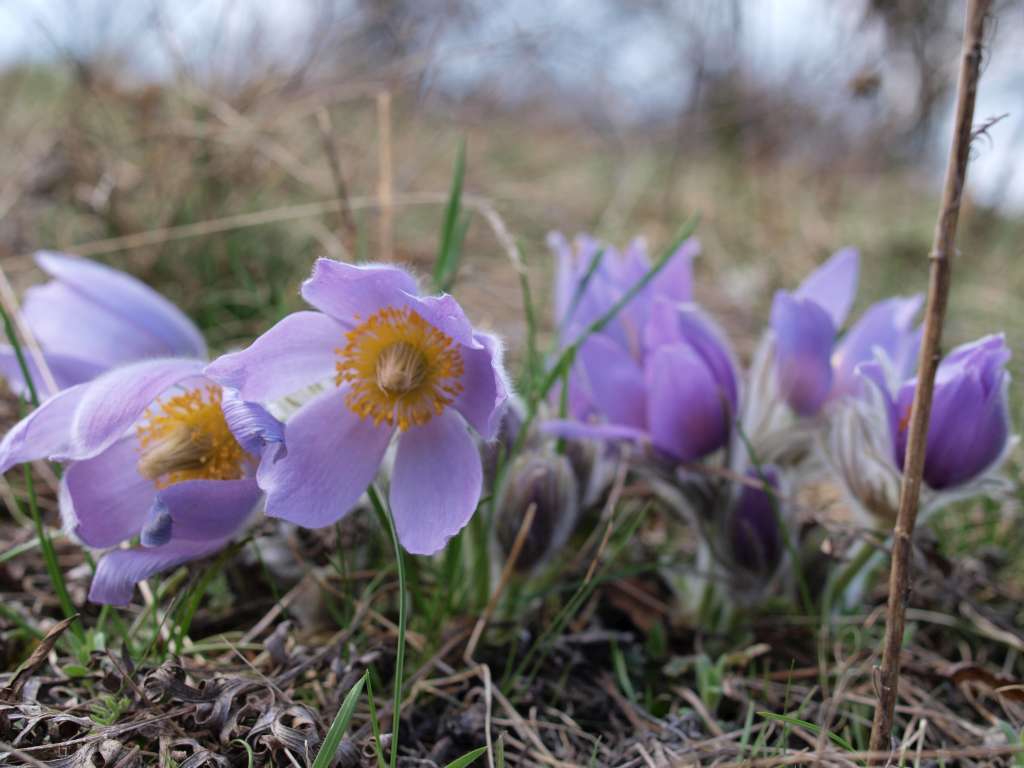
x=400 y=369
x=188 y=438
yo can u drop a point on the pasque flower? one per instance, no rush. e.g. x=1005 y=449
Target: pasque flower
x=154 y=449
x=810 y=367
x=392 y=362
x=968 y=434
x=755 y=523
x=90 y=318
x=660 y=372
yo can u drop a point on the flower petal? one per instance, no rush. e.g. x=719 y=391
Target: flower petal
x=114 y=401
x=296 y=352
x=110 y=501
x=804 y=335
x=67 y=371
x=616 y=381
x=252 y=425
x=833 y=285
x=352 y=292
x=159 y=327
x=202 y=510
x=119 y=571
x=675 y=280
x=686 y=413
x=43 y=434
x=578 y=430
x=333 y=456
x=485 y=390
x=888 y=326
x=436 y=483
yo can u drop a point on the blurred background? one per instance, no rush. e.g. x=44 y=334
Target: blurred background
x=213 y=147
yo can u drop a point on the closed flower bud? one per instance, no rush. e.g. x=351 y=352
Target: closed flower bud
x=755 y=533
x=547 y=483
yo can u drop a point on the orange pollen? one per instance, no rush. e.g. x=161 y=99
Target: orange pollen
x=187 y=438
x=399 y=368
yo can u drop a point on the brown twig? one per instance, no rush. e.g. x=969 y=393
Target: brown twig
x=384 y=176
x=938 y=292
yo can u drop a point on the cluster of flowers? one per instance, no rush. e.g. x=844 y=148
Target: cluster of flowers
x=816 y=403
x=177 y=453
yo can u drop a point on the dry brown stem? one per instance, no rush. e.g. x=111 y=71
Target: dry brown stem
x=938 y=292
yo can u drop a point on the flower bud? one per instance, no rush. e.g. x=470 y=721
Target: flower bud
x=970 y=424
x=546 y=482
x=755 y=533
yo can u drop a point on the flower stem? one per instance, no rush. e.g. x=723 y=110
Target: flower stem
x=396 y=712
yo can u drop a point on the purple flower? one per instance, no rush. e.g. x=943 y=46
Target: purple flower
x=755 y=536
x=91 y=318
x=393 y=362
x=969 y=427
x=810 y=367
x=661 y=371
x=154 y=449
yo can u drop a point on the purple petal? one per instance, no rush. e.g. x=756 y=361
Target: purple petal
x=159 y=526
x=804 y=335
x=833 y=285
x=888 y=326
x=253 y=426
x=67 y=371
x=969 y=425
x=565 y=275
x=675 y=281
x=578 y=430
x=686 y=412
x=485 y=389
x=333 y=456
x=119 y=571
x=755 y=533
x=444 y=313
x=297 y=352
x=43 y=434
x=159 y=327
x=110 y=501
x=114 y=401
x=352 y=292
x=711 y=343
x=616 y=381
x=202 y=510
x=436 y=483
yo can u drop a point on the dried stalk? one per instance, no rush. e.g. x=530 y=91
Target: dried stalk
x=384 y=177
x=938 y=292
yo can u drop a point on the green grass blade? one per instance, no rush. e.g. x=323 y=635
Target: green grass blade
x=396 y=715
x=12 y=337
x=467 y=759
x=374 y=724
x=835 y=738
x=453 y=229
x=325 y=756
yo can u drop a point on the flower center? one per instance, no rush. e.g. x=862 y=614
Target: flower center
x=188 y=438
x=400 y=369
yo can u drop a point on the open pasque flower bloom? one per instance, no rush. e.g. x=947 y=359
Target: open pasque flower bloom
x=90 y=318
x=810 y=367
x=969 y=433
x=393 y=363
x=154 y=449
x=660 y=372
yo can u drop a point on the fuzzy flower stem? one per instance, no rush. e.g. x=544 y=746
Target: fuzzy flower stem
x=396 y=712
x=938 y=293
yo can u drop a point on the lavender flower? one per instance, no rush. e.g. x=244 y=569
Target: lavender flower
x=754 y=532
x=968 y=434
x=90 y=318
x=810 y=368
x=153 y=449
x=661 y=372
x=394 y=363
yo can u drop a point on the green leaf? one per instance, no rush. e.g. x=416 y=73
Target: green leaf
x=466 y=759
x=333 y=738
x=835 y=738
x=453 y=229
